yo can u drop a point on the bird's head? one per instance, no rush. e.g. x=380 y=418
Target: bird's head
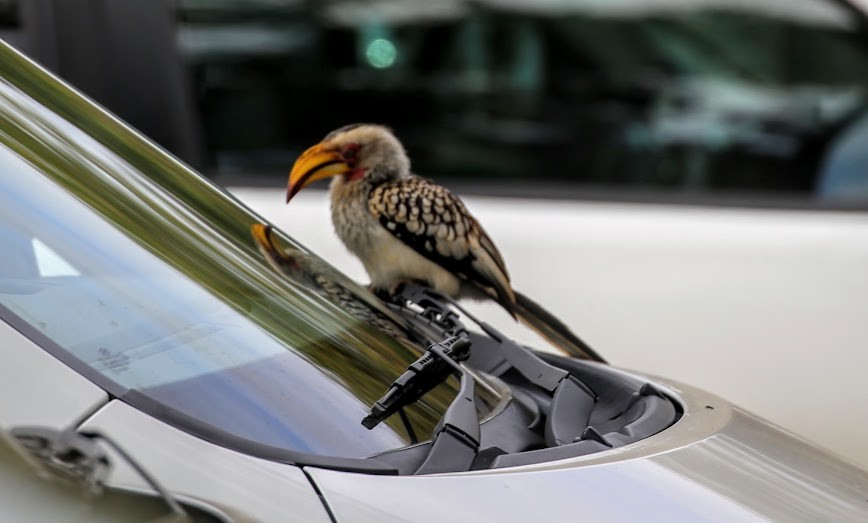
x=355 y=152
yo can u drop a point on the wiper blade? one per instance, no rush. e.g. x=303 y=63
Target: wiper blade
x=430 y=370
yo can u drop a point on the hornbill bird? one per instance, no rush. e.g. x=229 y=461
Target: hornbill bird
x=407 y=229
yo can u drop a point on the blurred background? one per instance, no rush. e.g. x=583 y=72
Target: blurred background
x=731 y=100
x=685 y=182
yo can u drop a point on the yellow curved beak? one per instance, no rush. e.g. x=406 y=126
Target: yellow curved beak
x=317 y=163
x=262 y=236
x=274 y=255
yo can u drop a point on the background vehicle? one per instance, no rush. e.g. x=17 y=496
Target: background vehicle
x=706 y=158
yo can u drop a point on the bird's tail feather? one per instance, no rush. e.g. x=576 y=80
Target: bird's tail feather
x=552 y=329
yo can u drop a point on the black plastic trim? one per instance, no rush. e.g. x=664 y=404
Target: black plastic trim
x=573 y=450
x=406 y=460
x=629 y=409
x=569 y=412
x=456 y=444
x=507 y=432
x=452 y=451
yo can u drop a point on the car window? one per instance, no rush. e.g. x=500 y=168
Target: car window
x=145 y=277
x=707 y=97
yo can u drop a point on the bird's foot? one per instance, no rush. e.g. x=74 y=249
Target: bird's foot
x=379 y=292
x=389 y=293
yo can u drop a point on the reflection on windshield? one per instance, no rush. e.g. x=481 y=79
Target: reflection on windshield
x=301 y=267
x=148 y=274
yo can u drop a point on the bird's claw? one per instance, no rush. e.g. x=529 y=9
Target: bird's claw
x=395 y=289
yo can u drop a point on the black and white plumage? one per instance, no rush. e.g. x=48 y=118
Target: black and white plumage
x=434 y=223
x=405 y=228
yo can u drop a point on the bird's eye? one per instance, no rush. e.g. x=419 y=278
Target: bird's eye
x=351 y=152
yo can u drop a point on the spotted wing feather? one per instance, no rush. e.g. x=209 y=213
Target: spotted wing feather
x=435 y=223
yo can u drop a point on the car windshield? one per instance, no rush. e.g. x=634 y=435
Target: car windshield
x=145 y=277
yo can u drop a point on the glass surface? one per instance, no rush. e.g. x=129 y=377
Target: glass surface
x=700 y=96
x=148 y=276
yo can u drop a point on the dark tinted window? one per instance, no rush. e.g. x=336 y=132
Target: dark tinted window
x=707 y=96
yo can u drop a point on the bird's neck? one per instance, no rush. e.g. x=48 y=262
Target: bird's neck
x=362 y=181
x=343 y=189
x=387 y=172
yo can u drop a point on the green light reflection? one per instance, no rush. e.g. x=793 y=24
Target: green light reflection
x=381 y=53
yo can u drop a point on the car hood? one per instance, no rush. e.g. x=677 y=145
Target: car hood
x=717 y=463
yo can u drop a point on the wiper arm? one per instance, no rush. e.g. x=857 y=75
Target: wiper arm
x=568 y=394
x=430 y=370
x=455 y=445
x=456 y=439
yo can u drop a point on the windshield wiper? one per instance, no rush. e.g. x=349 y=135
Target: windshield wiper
x=456 y=439
x=569 y=395
x=430 y=370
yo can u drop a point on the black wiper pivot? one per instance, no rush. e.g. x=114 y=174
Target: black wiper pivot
x=531 y=366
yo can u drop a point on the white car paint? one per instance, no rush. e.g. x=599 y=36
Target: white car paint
x=767 y=308
x=243 y=487
x=29 y=380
